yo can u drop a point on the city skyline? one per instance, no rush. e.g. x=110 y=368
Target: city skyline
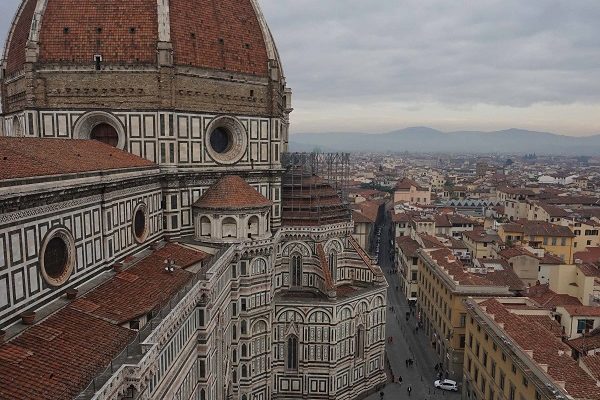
x=489 y=66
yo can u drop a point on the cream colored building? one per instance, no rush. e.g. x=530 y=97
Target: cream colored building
x=408 y=191
x=503 y=363
x=443 y=285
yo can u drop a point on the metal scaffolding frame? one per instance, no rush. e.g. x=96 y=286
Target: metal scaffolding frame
x=306 y=173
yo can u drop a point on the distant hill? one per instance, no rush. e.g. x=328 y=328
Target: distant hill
x=423 y=139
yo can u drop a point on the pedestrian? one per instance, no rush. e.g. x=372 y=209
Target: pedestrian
x=406 y=362
x=400 y=379
x=409 y=389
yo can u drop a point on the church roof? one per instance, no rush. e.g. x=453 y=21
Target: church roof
x=58 y=356
x=224 y=35
x=232 y=192
x=33 y=157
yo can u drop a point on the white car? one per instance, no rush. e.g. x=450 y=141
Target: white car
x=446 y=384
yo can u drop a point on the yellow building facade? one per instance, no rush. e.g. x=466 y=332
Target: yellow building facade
x=443 y=286
x=503 y=363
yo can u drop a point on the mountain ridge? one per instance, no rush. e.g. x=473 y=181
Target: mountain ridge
x=426 y=139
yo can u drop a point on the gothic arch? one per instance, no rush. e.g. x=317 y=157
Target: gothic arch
x=296 y=246
x=334 y=244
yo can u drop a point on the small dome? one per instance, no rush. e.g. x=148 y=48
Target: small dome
x=232 y=192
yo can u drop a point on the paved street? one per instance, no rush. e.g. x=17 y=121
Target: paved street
x=406 y=343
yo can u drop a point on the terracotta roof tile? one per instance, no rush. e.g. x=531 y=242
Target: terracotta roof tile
x=546 y=298
x=58 y=357
x=61 y=366
x=226 y=35
x=124 y=298
x=546 y=349
x=408 y=246
x=229 y=192
x=32 y=157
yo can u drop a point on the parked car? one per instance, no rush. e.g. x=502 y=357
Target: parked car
x=446 y=384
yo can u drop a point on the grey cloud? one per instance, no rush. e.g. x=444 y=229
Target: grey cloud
x=454 y=53
x=507 y=52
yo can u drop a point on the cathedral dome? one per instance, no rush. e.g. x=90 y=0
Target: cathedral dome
x=224 y=35
x=213 y=56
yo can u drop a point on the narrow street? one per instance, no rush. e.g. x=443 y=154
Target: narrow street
x=407 y=343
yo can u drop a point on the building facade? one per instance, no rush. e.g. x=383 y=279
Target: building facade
x=182 y=233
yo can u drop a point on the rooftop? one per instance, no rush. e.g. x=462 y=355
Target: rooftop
x=34 y=157
x=57 y=357
x=232 y=192
x=544 y=348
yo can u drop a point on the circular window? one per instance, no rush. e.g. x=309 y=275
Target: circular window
x=140 y=223
x=226 y=140
x=56 y=256
x=220 y=140
x=105 y=133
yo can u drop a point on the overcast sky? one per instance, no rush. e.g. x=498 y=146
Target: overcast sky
x=380 y=65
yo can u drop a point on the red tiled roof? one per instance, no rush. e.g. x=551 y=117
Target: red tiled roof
x=586 y=342
x=430 y=242
x=408 y=246
x=546 y=298
x=501 y=277
x=58 y=357
x=37 y=365
x=15 y=56
x=407 y=183
x=360 y=218
x=516 y=251
x=224 y=35
x=538 y=228
x=369 y=209
x=144 y=286
x=480 y=236
x=589 y=255
x=31 y=157
x=545 y=348
x=227 y=36
x=231 y=191
x=455 y=269
x=592 y=364
x=582 y=311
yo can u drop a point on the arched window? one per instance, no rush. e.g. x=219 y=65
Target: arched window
x=234 y=356
x=244 y=350
x=244 y=327
x=360 y=342
x=333 y=265
x=229 y=228
x=253 y=226
x=292 y=353
x=105 y=133
x=234 y=332
x=204 y=226
x=234 y=376
x=244 y=371
x=202 y=394
x=244 y=397
x=296 y=270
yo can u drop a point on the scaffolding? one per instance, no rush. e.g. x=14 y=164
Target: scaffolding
x=315 y=188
